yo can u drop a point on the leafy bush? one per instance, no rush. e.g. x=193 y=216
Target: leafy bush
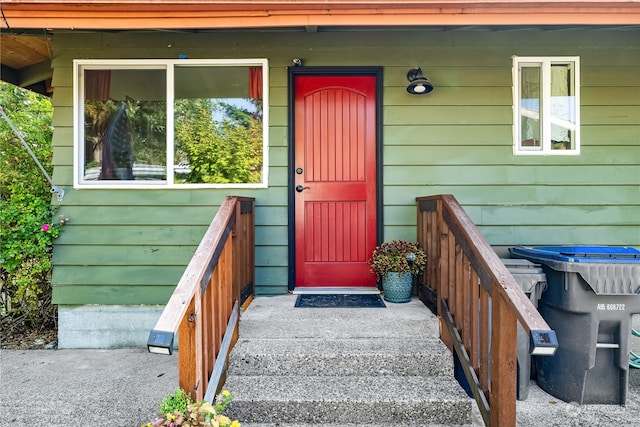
x=26 y=213
x=223 y=149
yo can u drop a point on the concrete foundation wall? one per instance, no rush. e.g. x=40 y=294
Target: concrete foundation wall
x=106 y=326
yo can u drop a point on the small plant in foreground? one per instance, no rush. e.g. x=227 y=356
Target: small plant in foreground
x=179 y=410
x=177 y=402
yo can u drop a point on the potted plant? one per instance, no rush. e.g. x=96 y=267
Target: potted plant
x=395 y=263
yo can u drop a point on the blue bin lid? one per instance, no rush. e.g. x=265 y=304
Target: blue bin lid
x=609 y=270
x=587 y=254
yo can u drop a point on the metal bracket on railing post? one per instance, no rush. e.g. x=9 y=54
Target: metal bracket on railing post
x=58 y=191
x=54 y=189
x=220 y=366
x=543 y=343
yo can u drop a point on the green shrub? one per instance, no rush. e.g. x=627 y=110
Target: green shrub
x=26 y=232
x=177 y=402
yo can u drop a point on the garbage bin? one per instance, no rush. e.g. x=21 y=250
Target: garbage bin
x=532 y=280
x=592 y=293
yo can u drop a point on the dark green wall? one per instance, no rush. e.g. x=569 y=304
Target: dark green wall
x=131 y=246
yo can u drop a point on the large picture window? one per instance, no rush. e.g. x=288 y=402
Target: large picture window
x=175 y=123
x=546 y=105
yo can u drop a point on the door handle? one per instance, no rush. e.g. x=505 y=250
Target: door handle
x=300 y=188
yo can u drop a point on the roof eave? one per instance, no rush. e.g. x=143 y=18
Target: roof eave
x=191 y=14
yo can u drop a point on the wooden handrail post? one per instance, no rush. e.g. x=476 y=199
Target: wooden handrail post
x=504 y=338
x=188 y=363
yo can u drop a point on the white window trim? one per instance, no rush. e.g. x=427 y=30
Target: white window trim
x=545 y=63
x=168 y=65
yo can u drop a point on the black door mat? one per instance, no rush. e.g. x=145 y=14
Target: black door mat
x=339 y=300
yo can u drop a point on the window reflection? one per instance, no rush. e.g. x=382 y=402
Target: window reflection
x=125 y=125
x=530 y=96
x=218 y=125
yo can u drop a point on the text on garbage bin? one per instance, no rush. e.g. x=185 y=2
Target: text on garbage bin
x=611 y=307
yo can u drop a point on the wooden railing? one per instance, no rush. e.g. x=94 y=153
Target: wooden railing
x=204 y=308
x=479 y=304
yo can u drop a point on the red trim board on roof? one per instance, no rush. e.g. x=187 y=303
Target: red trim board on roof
x=190 y=14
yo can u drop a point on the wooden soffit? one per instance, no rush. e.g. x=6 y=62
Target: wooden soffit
x=202 y=14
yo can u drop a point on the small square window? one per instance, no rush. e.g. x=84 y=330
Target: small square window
x=546 y=105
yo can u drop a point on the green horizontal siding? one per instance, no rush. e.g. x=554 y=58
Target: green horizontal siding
x=567 y=174
x=142 y=215
x=533 y=216
x=503 y=235
x=529 y=195
x=112 y=295
x=561 y=234
x=114 y=254
x=446 y=135
x=100 y=275
x=116 y=234
x=447 y=115
x=271 y=235
x=481 y=155
x=130 y=246
x=609 y=115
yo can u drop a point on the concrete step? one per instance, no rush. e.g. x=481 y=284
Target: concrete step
x=338 y=329
x=281 y=307
x=276 y=317
x=359 y=400
x=321 y=357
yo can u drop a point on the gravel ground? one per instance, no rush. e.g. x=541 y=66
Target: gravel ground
x=83 y=387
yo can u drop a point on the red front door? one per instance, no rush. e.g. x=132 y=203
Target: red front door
x=335 y=180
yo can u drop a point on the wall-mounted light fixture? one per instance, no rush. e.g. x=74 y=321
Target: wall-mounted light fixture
x=160 y=342
x=418 y=83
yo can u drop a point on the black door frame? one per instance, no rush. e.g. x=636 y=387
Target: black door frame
x=329 y=71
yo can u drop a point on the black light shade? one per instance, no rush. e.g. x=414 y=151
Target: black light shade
x=418 y=83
